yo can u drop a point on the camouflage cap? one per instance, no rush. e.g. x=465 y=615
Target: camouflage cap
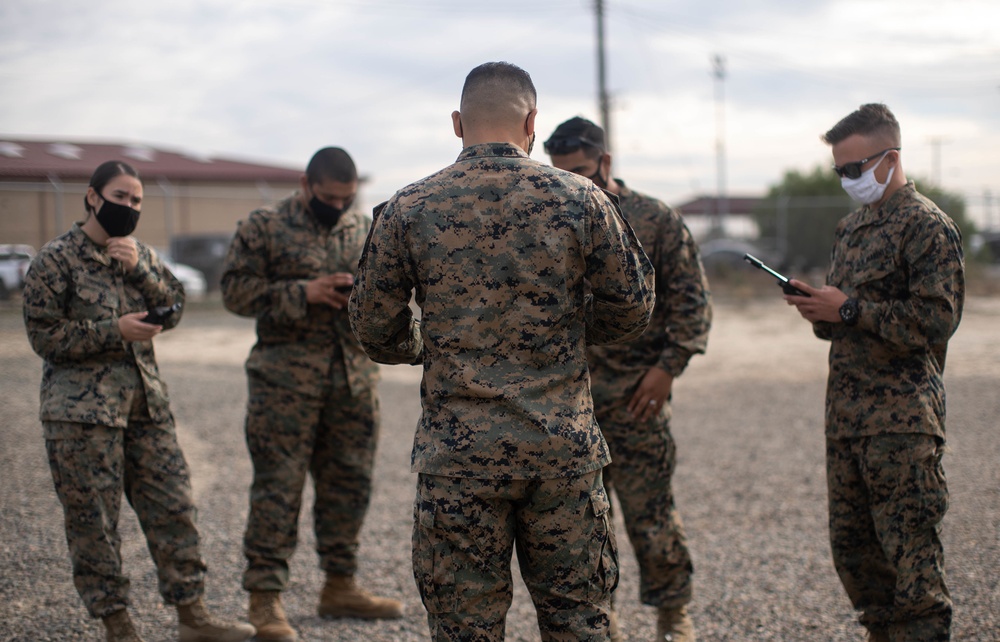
x=573 y=134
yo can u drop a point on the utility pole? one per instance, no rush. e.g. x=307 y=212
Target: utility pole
x=936 y=142
x=604 y=102
x=721 y=202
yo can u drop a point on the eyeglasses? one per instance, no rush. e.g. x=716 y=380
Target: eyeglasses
x=568 y=145
x=853 y=170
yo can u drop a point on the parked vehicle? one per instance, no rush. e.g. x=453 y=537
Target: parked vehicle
x=192 y=280
x=14 y=262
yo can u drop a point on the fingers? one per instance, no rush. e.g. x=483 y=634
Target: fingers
x=805 y=287
x=133 y=328
x=643 y=407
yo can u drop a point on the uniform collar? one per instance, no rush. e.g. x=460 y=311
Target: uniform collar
x=869 y=214
x=623 y=190
x=486 y=150
x=86 y=246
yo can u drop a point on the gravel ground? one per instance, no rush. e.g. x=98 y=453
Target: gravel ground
x=750 y=484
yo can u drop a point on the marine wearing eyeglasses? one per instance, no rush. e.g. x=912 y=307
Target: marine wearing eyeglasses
x=893 y=298
x=631 y=382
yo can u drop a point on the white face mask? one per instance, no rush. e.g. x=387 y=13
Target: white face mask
x=865 y=189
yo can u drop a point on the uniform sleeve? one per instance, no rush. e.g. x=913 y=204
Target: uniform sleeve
x=620 y=274
x=247 y=287
x=159 y=287
x=380 y=313
x=682 y=283
x=823 y=330
x=52 y=334
x=931 y=308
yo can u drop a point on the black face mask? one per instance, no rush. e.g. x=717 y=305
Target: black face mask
x=327 y=215
x=117 y=220
x=596 y=176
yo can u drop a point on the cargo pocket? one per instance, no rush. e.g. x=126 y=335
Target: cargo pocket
x=603 y=548
x=432 y=560
x=932 y=488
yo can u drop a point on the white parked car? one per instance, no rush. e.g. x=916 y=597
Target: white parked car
x=192 y=280
x=14 y=262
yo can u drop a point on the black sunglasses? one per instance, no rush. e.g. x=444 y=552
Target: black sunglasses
x=568 y=145
x=853 y=170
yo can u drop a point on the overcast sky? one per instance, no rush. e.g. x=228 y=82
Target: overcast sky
x=274 y=80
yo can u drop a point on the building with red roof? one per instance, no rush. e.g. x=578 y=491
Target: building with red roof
x=42 y=184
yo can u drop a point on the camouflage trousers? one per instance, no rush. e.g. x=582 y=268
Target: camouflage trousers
x=290 y=436
x=464 y=534
x=91 y=466
x=643 y=459
x=887 y=497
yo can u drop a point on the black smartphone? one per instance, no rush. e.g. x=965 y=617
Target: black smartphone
x=157 y=316
x=344 y=289
x=786 y=287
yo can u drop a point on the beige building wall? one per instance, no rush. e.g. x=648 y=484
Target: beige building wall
x=36 y=212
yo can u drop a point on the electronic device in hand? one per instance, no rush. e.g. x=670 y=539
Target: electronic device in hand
x=344 y=289
x=157 y=316
x=786 y=287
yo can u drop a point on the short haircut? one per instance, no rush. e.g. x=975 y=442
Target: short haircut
x=498 y=91
x=103 y=175
x=873 y=120
x=331 y=164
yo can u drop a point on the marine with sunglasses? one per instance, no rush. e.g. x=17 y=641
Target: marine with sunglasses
x=893 y=298
x=631 y=382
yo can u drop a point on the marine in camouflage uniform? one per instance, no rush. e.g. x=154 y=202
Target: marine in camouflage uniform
x=105 y=412
x=107 y=420
x=631 y=382
x=497 y=248
x=313 y=407
x=894 y=297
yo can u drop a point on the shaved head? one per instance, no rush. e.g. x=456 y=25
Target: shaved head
x=497 y=94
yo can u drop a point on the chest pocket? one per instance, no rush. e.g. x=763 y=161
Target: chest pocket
x=298 y=259
x=879 y=279
x=95 y=297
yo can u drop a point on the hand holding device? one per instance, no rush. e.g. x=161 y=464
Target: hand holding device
x=158 y=315
x=786 y=287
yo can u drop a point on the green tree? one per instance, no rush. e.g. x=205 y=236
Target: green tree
x=799 y=215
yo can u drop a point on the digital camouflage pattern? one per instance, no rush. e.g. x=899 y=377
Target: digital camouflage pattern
x=290 y=436
x=497 y=248
x=74 y=294
x=106 y=418
x=274 y=253
x=885 y=416
x=463 y=539
x=91 y=466
x=644 y=455
x=312 y=406
x=887 y=498
x=682 y=315
x=904 y=264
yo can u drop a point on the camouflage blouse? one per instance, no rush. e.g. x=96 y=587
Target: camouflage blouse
x=496 y=249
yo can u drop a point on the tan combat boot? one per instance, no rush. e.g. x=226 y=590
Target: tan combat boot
x=674 y=625
x=615 y=628
x=119 y=628
x=195 y=624
x=268 y=617
x=342 y=598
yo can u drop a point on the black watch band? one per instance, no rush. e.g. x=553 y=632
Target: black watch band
x=849 y=312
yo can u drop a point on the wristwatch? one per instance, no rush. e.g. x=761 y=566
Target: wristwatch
x=849 y=312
